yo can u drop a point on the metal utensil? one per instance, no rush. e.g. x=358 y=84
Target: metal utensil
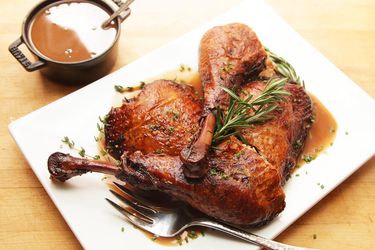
x=177 y=217
x=117 y=13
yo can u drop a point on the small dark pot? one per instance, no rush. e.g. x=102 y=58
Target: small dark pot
x=68 y=72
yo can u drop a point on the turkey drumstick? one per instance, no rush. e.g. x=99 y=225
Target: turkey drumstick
x=62 y=166
x=249 y=194
x=230 y=55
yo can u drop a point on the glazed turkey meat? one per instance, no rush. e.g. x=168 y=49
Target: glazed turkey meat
x=162 y=119
x=154 y=134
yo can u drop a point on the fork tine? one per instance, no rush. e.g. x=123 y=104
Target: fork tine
x=139 y=222
x=140 y=200
x=139 y=208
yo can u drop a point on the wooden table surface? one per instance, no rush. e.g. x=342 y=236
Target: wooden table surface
x=343 y=30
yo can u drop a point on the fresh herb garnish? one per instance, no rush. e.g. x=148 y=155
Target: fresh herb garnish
x=228 y=67
x=184 y=67
x=174 y=113
x=244 y=113
x=298 y=143
x=192 y=234
x=68 y=142
x=103 y=152
x=100 y=128
x=122 y=89
x=119 y=88
x=81 y=151
x=238 y=155
x=224 y=176
x=308 y=158
x=171 y=130
x=284 y=68
x=213 y=172
x=220 y=173
x=154 y=127
x=158 y=151
x=103 y=119
x=179 y=239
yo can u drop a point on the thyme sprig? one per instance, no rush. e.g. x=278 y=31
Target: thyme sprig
x=244 y=113
x=284 y=68
x=81 y=151
x=121 y=89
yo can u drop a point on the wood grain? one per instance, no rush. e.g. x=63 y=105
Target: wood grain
x=343 y=30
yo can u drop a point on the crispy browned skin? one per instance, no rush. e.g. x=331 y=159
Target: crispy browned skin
x=281 y=139
x=229 y=56
x=241 y=187
x=162 y=119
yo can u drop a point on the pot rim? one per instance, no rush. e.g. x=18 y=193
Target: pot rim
x=36 y=9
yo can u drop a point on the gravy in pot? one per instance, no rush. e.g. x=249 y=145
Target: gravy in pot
x=71 y=31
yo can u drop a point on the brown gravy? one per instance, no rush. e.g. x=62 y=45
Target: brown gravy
x=322 y=132
x=71 y=31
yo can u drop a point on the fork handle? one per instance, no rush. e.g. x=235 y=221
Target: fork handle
x=255 y=239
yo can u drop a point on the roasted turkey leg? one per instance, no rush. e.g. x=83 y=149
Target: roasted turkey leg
x=248 y=194
x=230 y=55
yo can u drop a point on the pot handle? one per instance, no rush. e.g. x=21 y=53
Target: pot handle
x=125 y=14
x=22 y=59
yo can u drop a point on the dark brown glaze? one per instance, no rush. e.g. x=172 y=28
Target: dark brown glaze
x=162 y=119
x=229 y=56
x=281 y=139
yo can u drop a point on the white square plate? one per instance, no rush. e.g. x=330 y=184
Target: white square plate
x=81 y=200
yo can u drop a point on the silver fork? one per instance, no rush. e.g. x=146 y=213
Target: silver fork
x=171 y=221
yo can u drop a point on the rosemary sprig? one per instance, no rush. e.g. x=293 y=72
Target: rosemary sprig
x=244 y=113
x=284 y=68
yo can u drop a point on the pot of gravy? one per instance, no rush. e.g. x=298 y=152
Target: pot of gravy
x=68 y=41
